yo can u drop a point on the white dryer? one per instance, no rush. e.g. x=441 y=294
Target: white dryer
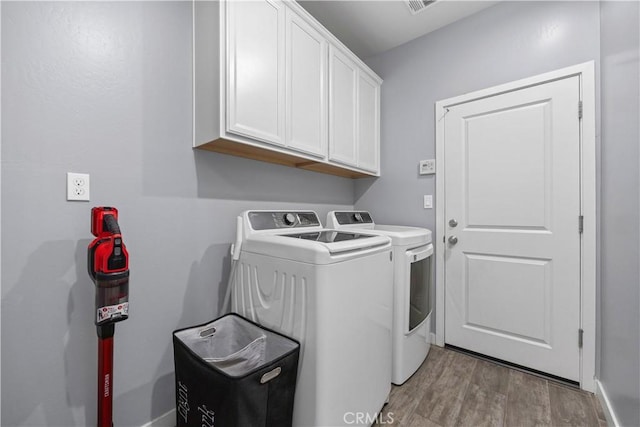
x=329 y=290
x=412 y=253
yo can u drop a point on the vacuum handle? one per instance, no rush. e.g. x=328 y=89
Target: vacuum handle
x=111 y=224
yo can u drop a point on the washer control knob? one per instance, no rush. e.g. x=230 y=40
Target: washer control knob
x=289 y=219
x=357 y=217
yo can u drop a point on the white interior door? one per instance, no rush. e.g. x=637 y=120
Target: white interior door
x=512 y=201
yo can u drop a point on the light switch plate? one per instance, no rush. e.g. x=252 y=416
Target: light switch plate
x=427 y=167
x=428 y=201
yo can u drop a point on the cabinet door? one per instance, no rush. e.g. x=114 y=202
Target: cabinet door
x=306 y=98
x=256 y=69
x=368 y=123
x=343 y=75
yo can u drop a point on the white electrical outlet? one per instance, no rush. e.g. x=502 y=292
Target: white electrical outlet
x=78 y=186
x=428 y=201
x=427 y=166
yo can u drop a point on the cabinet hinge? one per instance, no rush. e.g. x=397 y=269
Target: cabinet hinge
x=580 y=337
x=580 y=224
x=580 y=109
x=391 y=256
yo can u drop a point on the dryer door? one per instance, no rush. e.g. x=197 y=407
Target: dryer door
x=419 y=262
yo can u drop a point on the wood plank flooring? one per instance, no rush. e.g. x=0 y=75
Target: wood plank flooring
x=455 y=389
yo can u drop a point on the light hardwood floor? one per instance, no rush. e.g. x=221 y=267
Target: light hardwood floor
x=455 y=389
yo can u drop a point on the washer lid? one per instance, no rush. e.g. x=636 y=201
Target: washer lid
x=362 y=220
x=316 y=247
x=329 y=236
x=401 y=235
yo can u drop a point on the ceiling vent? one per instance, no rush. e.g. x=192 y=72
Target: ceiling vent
x=416 y=6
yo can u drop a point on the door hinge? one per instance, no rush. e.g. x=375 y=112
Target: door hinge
x=580 y=224
x=579 y=109
x=580 y=337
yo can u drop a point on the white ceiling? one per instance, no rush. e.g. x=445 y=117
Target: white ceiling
x=369 y=27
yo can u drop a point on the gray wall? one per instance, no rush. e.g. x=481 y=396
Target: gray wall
x=506 y=42
x=105 y=88
x=620 y=221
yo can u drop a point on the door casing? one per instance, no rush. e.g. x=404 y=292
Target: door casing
x=586 y=72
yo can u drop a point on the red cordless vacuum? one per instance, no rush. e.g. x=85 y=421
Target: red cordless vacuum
x=108 y=265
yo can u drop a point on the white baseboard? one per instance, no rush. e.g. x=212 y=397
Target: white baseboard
x=433 y=339
x=166 y=420
x=612 y=420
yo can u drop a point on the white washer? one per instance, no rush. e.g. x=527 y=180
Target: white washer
x=327 y=289
x=412 y=250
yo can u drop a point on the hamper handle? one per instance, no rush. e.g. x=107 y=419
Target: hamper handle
x=270 y=375
x=206 y=333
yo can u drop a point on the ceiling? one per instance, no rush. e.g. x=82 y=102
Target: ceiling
x=370 y=27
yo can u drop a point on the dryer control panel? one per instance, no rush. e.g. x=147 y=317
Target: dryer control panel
x=270 y=220
x=359 y=217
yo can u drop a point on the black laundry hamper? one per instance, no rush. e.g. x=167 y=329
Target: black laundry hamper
x=234 y=372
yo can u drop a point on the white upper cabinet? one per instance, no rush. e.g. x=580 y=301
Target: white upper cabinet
x=256 y=69
x=306 y=91
x=354 y=105
x=368 y=123
x=343 y=80
x=270 y=83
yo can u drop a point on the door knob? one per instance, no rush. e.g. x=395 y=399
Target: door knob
x=453 y=240
x=453 y=223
